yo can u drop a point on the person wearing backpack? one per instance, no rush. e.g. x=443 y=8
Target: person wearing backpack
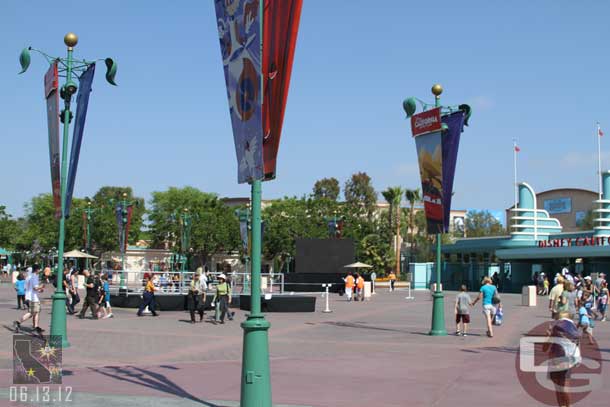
x=486 y=294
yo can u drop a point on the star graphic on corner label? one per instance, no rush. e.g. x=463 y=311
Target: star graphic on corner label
x=47 y=352
x=31 y=372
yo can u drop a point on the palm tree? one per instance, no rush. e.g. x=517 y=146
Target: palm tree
x=393 y=196
x=412 y=195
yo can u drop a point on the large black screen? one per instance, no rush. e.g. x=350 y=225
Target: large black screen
x=324 y=255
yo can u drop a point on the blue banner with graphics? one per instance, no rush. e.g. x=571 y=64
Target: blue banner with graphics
x=239 y=31
x=82 y=102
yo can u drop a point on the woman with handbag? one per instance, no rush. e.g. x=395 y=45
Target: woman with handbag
x=489 y=294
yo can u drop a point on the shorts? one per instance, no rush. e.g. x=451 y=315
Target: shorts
x=602 y=307
x=34 y=307
x=465 y=318
x=106 y=304
x=489 y=309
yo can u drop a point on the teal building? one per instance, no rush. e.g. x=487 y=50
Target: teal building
x=536 y=244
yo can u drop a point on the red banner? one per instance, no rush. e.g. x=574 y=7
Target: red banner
x=51 y=83
x=426 y=122
x=280 y=28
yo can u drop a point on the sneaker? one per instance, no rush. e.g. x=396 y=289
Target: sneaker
x=458 y=333
x=464 y=335
x=16 y=326
x=111 y=315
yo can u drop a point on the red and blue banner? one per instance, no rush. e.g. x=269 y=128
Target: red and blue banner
x=51 y=84
x=281 y=26
x=239 y=29
x=437 y=152
x=82 y=103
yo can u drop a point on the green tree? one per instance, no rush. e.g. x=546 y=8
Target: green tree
x=393 y=196
x=9 y=229
x=215 y=228
x=104 y=227
x=326 y=188
x=482 y=223
x=413 y=196
x=360 y=196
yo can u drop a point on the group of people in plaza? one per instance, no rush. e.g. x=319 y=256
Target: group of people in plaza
x=354 y=287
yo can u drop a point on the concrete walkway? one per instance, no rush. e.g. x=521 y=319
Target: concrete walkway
x=375 y=353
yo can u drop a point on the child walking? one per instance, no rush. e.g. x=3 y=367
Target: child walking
x=462 y=312
x=20 y=289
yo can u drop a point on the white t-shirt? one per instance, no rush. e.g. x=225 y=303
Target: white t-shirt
x=203 y=283
x=30 y=284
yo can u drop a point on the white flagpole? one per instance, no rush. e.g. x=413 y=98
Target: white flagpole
x=515 y=169
x=599 y=161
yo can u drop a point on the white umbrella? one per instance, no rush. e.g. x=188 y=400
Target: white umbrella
x=358 y=265
x=77 y=254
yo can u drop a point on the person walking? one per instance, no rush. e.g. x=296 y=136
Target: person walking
x=602 y=300
x=92 y=297
x=462 y=312
x=223 y=298
x=555 y=298
x=359 y=288
x=193 y=298
x=105 y=298
x=486 y=294
x=392 y=278
x=350 y=282
x=32 y=289
x=571 y=300
x=20 y=290
x=148 y=298
x=66 y=284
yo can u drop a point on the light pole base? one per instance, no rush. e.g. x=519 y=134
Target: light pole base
x=255 y=373
x=438 y=315
x=327 y=311
x=58 y=318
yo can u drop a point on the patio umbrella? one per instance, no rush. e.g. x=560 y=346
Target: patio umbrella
x=77 y=254
x=358 y=265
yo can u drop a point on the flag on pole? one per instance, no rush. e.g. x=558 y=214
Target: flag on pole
x=600 y=133
x=517 y=149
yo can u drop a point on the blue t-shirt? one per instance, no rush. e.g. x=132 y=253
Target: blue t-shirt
x=106 y=291
x=488 y=291
x=20 y=287
x=584 y=316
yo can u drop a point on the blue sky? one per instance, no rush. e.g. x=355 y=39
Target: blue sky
x=536 y=71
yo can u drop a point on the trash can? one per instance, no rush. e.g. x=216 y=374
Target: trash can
x=528 y=296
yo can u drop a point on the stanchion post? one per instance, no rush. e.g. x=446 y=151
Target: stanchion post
x=327 y=286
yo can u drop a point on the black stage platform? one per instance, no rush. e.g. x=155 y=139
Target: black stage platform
x=169 y=302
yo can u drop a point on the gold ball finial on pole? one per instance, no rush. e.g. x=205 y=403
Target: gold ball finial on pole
x=124 y=194
x=71 y=40
x=437 y=89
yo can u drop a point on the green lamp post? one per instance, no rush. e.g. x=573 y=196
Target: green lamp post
x=71 y=69
x=88 y=211
x=186 y=222
x=243 y=215
x=124 y=205
x=433 y=124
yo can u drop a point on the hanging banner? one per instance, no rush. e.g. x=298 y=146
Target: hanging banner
x=82 y=102
x=451 y=143
x=281 y=26
x=239 y=29
x=51 y=83
x=430 y=157
x=119 y=220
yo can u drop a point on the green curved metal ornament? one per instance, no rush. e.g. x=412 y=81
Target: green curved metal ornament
x=467 y=110
x=111 y=67
x=410 y=106
x=25 y=59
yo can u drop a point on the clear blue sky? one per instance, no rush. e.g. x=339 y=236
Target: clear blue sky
x=534 y=70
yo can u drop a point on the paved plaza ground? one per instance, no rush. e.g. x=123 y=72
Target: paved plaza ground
x=375 y=353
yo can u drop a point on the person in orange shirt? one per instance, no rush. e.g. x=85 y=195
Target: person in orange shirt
x=350 y=282
x=359 y=287
x=392 y=278
x=148 y=298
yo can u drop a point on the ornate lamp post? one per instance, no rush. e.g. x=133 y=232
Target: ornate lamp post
x=434 y=129
x=88 y=211
x=71 y=69
x=122 y=212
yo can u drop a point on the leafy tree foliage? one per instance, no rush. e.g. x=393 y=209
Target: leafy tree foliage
x=8 y=229
x=326 y=188
x=215 y=227
x=360 y=195
x=482 y=223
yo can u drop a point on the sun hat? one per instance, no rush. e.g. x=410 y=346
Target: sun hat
x=222 y=276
